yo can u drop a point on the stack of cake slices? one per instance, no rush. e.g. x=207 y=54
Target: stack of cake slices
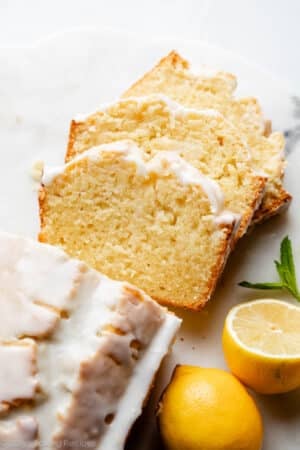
x=159 y=186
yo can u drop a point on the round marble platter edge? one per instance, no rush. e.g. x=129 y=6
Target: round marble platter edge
x=44 y=86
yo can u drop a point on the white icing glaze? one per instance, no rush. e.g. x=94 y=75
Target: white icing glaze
x=162 y=163
x=19 y=434
x=19 y=317
x=174 y=108
x=227 y=218
x=36 y=281
x=17 y=371
x=130 y=406
x=205 y=72
x=50 y=173
x=85 y=334
x=137 y=321
x=188 y=174
x=100 y=306
x=55 y=274
x=129 y=148
x=177 y=109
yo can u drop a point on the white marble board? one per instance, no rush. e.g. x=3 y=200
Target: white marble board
x=43 y=87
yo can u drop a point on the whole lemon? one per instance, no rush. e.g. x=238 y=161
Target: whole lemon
x=208 y=409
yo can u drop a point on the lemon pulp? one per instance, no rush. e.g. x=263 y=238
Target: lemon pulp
x=261 y=341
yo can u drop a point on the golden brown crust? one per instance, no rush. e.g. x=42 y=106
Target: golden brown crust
x=41 y=201
x=255 y=206
x=173 y=59
x=272 y=206
x=71 y=140
x=211 y=285
x=176 y=61
x=268 y=128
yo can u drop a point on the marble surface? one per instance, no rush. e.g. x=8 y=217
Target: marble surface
x=264 y=31
x=43 y=87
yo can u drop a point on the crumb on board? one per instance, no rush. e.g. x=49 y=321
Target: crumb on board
x=37 y=169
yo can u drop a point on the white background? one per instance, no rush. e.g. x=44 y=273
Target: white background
x=263 y=31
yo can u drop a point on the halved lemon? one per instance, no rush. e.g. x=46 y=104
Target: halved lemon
x=261 y=342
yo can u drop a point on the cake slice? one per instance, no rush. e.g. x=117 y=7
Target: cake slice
x=158 y=223
x=203 y=138
x=79 y=381
x=212 y=89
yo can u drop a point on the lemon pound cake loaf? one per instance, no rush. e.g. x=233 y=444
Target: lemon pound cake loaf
x=78 y=351
x=213 y=89
x=203 y=138
x=159 y=224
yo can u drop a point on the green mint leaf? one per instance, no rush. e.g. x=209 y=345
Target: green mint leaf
x=267 y=286
x=285 y=269
x=295 y=293
x=286 y=255
x=280 y=271
x=288 y=270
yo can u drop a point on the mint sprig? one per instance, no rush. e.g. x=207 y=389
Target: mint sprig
x=286 y=271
